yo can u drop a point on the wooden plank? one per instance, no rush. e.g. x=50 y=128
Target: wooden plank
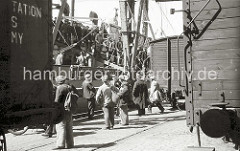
x=216 y=44
x=225 y=13
x=164 y=46
x=220 y=23
x=217 y=64
x=216 y=85
x=174 y=65
x=216 y=95
x=159 y=58
x=206 y=103
x=196 y=5
x=221 y=33
x=221 y=74
x=206 y=95
x=162 y=60
x=216 y=54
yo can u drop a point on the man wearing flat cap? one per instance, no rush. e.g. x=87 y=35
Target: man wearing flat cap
x=140 y=94
x=89 y=93
x=64 y=128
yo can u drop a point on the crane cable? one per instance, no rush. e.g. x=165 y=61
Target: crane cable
x=60 y=33
x=132 y=15
x=147 y=18
x=166 y=17
x=74 y=44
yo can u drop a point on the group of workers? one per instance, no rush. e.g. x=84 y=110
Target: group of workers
x=114 y=92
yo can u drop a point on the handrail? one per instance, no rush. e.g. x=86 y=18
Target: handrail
x=210 y=22
x=195 y=37
x=178 y=56
x=199 y=13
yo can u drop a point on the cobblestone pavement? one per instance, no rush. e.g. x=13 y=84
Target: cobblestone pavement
x=152 y=132
x=169 y=136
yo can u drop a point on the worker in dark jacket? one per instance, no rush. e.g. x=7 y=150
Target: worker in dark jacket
x=99 y=38
x=64 y=128
x=89 y=93
x=140 y=94
x=124 y=94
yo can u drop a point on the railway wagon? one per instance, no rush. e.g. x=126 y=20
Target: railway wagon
x=211 y=61
x=166 y=60
x=25 y=53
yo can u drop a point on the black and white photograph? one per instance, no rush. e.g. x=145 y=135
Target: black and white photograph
x=120 y=75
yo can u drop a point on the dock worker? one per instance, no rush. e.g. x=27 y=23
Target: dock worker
x=140 y=94
x=89 y=93
x=59 y=59
x=80 y=59
x=155 y=97
x=99 y=42
x=104 y=98
x=124 y=95
x=64 y=128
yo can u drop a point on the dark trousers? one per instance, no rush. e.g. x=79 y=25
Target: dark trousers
x=108 y=116
x=158 y=104
x=141 y=110
x=51 y=129
x=91 y=107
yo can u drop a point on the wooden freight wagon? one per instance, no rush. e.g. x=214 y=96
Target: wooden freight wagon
x=25 y=54
x=211 y=60
x=166 y=60
x=164 y=56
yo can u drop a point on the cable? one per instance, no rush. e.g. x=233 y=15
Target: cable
x=75 y=31
x=150 y=25
x=132 y=15
x=60 y=33
x=166 y=17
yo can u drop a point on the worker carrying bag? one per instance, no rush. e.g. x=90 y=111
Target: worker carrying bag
x=70 y=103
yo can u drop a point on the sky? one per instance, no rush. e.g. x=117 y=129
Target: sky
x=159 y=14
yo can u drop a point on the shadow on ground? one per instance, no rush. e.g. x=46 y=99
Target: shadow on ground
x=87 y=128
x=129 y=127
x=156 y=120
x=80 y=123
x=75 y=134
x=95 y=145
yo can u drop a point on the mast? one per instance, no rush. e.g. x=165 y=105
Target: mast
x=73 y=8
x=72 y=16
x=124 y=23
x=145 y=18
x=137 y=35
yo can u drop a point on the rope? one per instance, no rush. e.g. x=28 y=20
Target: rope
x=83 y=22
x=166 y=17
x=146 y=17
x=60 y=33
x=133 y=18
x=74 y=44
x=75 y=31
